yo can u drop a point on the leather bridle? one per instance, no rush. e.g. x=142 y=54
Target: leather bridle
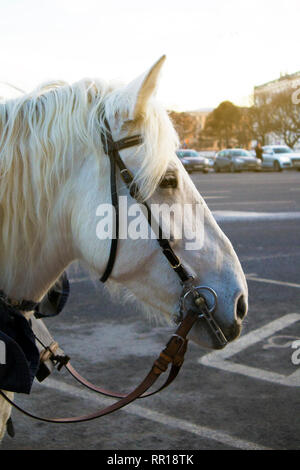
x=112 y=149
x=193 y=304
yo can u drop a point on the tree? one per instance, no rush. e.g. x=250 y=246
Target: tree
x=286 y=118
x=244 y=132
x=261 y=117
x=222 y=123
x=186 y=126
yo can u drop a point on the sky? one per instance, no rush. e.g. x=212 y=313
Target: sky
x=216 y=49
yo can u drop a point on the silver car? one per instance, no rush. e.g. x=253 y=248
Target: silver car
x=192 y=161
x=236 y=160
x=280 y=157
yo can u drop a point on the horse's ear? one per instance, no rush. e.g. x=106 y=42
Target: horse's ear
x=143 y=87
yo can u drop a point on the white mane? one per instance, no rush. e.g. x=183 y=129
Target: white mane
x=39 y=133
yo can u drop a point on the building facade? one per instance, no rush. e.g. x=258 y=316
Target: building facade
x=264 y=92
x=280 y=84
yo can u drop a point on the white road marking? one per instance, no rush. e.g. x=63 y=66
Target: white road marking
x=236 y=216
x=217 y=191
x=214 y=197
x=145 y=413
x=273 y=256
x=79 y=279
x=252 y=277
x=255 y=202
x=219 y=359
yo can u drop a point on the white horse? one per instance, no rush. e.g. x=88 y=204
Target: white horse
x=54 y=174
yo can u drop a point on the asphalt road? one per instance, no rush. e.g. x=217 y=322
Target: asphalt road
x=248 y=399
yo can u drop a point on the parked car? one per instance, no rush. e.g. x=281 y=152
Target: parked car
x=210 y=155
x=280 y=157
x=236 y=160
x=192 y=161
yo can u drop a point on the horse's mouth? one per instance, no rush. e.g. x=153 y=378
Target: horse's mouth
x=232 y=332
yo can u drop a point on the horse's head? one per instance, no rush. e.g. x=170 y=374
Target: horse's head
x=194 y=234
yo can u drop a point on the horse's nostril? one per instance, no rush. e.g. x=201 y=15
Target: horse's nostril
x=241 y=308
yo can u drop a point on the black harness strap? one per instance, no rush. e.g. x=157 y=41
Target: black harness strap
x=115 y=221
x=112 y=148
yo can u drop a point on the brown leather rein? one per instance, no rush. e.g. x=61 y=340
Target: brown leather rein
x=193 y=305
x=173 y=353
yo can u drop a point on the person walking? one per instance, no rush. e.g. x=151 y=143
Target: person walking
x=259 y=151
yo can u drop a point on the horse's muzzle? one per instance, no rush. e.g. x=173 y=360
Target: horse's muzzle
x=233 y=332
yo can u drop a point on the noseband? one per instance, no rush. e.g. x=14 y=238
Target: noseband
x=193 y=305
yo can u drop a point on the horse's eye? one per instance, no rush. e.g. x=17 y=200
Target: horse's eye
x=169 y=180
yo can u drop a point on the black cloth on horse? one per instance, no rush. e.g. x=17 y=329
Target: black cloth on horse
x=19 y=359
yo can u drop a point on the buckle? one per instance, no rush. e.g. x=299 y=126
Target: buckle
x=183 y=341
x=49 y=351
x=197 y=296
x=172 y=258
x=209 y=289
x=126 y=175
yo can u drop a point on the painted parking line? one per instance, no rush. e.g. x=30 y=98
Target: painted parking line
x=202 y=432
x=219 y=359
x=73 y=280
x=214 y=197
x=216 y=191
x=244 y=203
x=240 y=216
x=266 y=257
x=251 y=277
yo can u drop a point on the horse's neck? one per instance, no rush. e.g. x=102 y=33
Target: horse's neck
x=32 y=280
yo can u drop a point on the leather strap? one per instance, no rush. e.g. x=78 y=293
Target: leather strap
x=115 y=237
x=176 y=366
x=111 y=149
x=173 y=353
